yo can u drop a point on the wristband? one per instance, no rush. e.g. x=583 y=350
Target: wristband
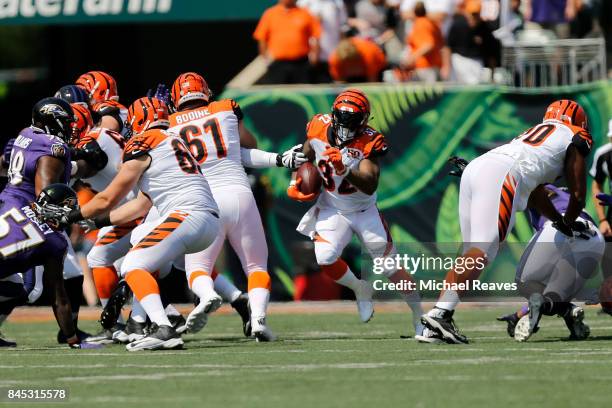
x=102 y=221
x=74 y=216
x=279 y=160
x=603 y=219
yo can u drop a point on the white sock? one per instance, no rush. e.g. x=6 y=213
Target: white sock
x=449 y=300
x=203 y=287
x=349 y=280
x=139 y=315
x=171 y=310
x=258 y=300
x=226 y=288
x=152 y=304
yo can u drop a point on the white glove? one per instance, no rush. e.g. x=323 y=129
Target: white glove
x=349 y=161
x=292 y=158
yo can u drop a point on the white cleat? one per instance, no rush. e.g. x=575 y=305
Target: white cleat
x=365 y=306
x=429 y=336
x=198 y=317
x=260 y=331
x=521 y=331
x=160 y=338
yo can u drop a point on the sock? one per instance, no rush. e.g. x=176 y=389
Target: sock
x=259 y=293
x=106 y=280
x=551 y=308
x=342 y=274
x=74 y=290
x=138 y=313
x=171 y=310
x=524 y=310
x=146 y=291
x=226 y=288
x=448 y=300
x=201 y=284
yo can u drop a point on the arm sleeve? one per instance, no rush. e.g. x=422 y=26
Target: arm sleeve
x=583 y=142
x=257 y=159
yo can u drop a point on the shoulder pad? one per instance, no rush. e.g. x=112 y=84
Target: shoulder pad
x=583 y=141
x=142 y=144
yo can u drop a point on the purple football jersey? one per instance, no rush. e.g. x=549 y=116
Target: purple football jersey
x=29 y=146
x=560 y=200
x=24 y=241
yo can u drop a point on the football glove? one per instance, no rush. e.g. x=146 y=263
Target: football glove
x=604 y=199
x=163 y=94
x=335 y=158
x=85 y=346
x=292 y=158
x=460 y=164
x=294 y=193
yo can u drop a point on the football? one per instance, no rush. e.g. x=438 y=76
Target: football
x=311 y=179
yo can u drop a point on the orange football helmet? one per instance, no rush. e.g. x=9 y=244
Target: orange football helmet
x=188 y=87
x=82 y=121
x=567 y=111
x=350 y=114
x=99 y=85
x=146 y=113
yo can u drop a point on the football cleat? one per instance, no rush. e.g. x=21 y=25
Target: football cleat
x=261 y=332
x=105 y=336
x=160 y=337
x=241 y=306
x=521 y=330
x=112 y=310
x=198 y=317
x=133 y=331
x=365 y=306
x=178 y=322
x=429 y=336
x=511 y=321
x=441 y=321
x=574 y=320
x=5 y=342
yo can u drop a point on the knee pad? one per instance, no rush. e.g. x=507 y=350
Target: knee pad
x=326 y=254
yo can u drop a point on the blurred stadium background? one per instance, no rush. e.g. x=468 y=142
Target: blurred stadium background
x=491 y=69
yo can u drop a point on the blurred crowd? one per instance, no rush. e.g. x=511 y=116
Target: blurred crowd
x=320 y=41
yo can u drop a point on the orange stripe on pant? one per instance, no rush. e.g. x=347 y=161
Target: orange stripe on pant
x=105 y=279
x=506 y=200
x=165 y=228
x=142 y=283
x=259 y=279
x=335 y=270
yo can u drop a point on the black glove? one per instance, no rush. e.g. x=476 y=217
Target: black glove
x=460 y=164
x=562 y=227
x=582 y=229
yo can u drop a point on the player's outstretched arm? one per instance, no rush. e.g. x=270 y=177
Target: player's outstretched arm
x=575 y=174
x=365 y=177
x=130 y=211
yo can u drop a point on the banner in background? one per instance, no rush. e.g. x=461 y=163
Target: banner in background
x=424 y=125
x=28 y=12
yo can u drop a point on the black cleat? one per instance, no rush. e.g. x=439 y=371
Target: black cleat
x=112 y=310
x=444 y=325
x=574 y=320
x=511 y=320
x=178 y=322
x=241 y=306
x=6 y=343
x=105 y=336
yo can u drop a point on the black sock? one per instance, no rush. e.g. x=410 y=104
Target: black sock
x=74 y=290
x=551 y=308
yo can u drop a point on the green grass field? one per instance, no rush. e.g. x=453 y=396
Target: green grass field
x=325 y=360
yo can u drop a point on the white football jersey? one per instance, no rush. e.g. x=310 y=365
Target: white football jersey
x=337 y=192
x=112 y=144
x=173 y=180
x=539 y=153
x=211 y=134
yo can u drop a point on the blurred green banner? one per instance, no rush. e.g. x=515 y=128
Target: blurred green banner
x=424 y=125
x=43 y=12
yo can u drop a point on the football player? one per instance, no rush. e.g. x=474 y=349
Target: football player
x=215 y=133
x=502 y=181
x=169 y=178
x=73 y=94
x=346 y=151
x=38 y=161
x=101 y=89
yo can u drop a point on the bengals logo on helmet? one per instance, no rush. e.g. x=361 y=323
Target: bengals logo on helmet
x=568 y=112
x=99 y=85
x=188 y=87
x=146 y=113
